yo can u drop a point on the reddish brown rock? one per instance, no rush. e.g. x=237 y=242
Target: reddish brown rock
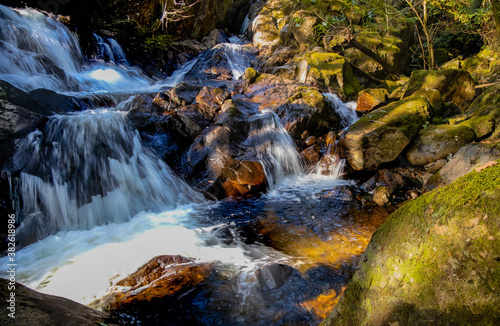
x=311 y=155
x=210 y=100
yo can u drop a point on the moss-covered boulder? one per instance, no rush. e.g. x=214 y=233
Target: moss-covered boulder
x=329 y=69
x=484 y=66
x=437 y=142
x=383 y=134
x=265 y=32
x=434 y=261
x=456 y=86
x=488 y=104
x=482 y=125
x=369 y=99
x=434 y=97
x=302 y=24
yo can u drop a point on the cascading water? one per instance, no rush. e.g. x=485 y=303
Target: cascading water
x=346 y=111
x=89 y=169
x=37 y=51
x=110 y=50
x=274 y=147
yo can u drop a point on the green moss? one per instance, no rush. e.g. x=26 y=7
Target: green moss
x=482 y=125
x=435 y=258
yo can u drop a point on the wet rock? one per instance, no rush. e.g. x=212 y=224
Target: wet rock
x=434 y=259
x=35 y=308
x=330 y=162
x=385 y=178
x=330 y=138
x=311 y=155
x=456 y=86
x=273 y=276
x=239 y=178
x=434 y=97
x=383 y=196
x=344 y=193
x=436 y=142
x=250 y=75
x=463 y=162
x=209 y=101
x=310 y=141
x=371 y=99
x=163 y=277
x=183 y=94
x=383 y=134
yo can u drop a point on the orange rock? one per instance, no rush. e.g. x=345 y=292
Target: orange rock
x=366 y=103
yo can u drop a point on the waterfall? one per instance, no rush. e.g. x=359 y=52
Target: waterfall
x=178 y=75
x=331 y=164
x=238 y=62
x=37 y=51
x=346 y=111
x=89 y=169
x=244 y=26
x=108 y=49
x=274 y=147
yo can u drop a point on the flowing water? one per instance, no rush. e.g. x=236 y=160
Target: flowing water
x=97 y=204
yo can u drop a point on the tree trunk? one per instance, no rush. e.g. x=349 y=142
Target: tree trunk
x=495 y=8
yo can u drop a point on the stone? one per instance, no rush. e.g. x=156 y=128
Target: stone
x=330 y=163
x=383 y=196
x=265 y=32
x=330 y=138
x=435 y=258
x=488 y=103
x=371 y=99
x=464 y=161
x=385 y=178
x=272 y=277
x=302 y=23
x=209 y=101
x=434 y=97
x=436 y=142
x=456 y=86
x=310 y=155
x=312 y=140
x=483 y=125
x=383 y=134
x=344 y=193
x=35 y=308
x=183 y=94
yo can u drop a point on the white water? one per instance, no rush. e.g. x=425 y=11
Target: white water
x=346 y=111
x=88 y=169
x=37 y=51
x=274 y=147
x=110 y=50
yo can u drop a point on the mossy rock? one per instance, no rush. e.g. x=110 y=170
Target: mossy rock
x=301 y=25
x=434 y=97
x=435 y=259
x=488 y=103
x=456 y=86
x=436 y=142
x=482 y=125
x=484 y=66
x=382 y=135
x=333 y=70
x=265 y=32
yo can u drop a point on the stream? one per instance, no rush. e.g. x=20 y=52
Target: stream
x=97 y=203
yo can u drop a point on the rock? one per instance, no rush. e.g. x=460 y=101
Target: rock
x=435 y=258
x=483 y=125
x=183 y=94
x=250 y=75
x=434 y=97
x=311 y=155
x=265 y=32
x=385 y=178
x=463 y=162
x=383 y=196
x=302 y=23
x=15 y=122
x=344 y=193
x=58 y=103
x=216 y=36
x=209 y=101
x=488 y=103
x=330 y=163
x=163 y=281
x=240 y=178
x=310 y=141
x=330 y=69
x=456 y=86
x=273 y=276
x=436 y=142
x=371 y=98
x=383 y=134
x=35 y=308
x=22 y=99
x=330 y=138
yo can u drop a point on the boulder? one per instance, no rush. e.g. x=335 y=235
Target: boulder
x=329 y=69
x=163 y=277
x=464 y=161
x=302 y=23
x=311 y=155
x=486 y=104
x=482 y=125
x=435 y=258
x=456 y=86
x=385 y=178
x=434 y=97
x=209 y=101
x=383 y=196
x=383 y=134
x=35 y=308
x=265 y=32
x=370 y=99
x=436 y=142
